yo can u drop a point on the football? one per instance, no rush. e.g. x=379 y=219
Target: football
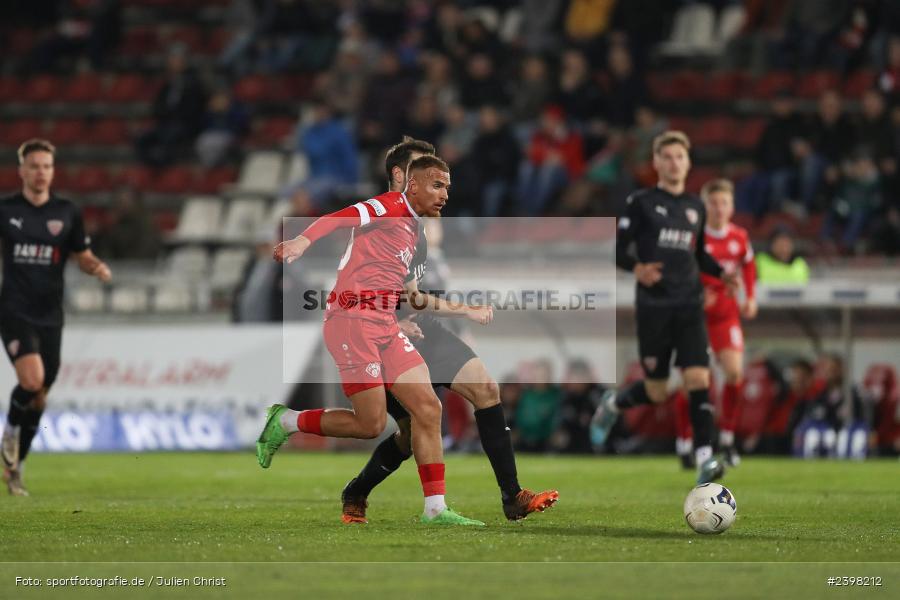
x=710 y=508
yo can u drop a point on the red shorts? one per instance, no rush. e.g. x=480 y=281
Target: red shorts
x=725 y=334
x=367 y=353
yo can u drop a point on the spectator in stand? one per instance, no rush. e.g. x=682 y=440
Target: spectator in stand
x=531 y=91
x=889 y=80
x=857 y=198
x=829 y=139
x=330 y=150
x=830 y=406
x=580 y=399
x=177 y=111
x=383 y=114
x=780 y=266
x=578 y=94
x=648 y=124
x=586 y=21
x=812 y=26
x=497 y=156
x=886 y=234
x=130 y=233
x=438 y=82
x=91 y=27
x=622 y=88
x=782 y=159
x=554 y=157
x=874 y=133
x=537 y=413
x=425 y=123
x=344 y=83
x=225 y=123
x=460 y=131
x=481 y=85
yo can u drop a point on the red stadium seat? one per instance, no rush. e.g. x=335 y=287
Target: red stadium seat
x=812 y=85
x=700 y=175
x=18 y=131
x=68 y=131
x=250 y=89
x=859 y=82
x=139 y=41
x=192 y=37
x=41 y=89
x=272 y=132
x=713 y=131
x=768 y=85
x=174 y=180
x=746 y=133
x=9 y=179
x=131 y=88
x=10 y=89
x=725 y=86
x=687 y=85
x=109 y=132
x=136 y=176
x=86 y=87
x=211 y=181
x=91 y=178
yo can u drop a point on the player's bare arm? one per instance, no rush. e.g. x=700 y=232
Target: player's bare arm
x=410 y=328
x=93 y=266
x=290 y=250
x=426 y=302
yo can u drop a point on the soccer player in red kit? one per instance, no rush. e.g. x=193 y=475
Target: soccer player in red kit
x=362 y=334
x=730 y=246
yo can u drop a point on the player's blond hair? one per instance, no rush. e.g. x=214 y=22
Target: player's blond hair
x=35 y=145
x=667 y=138
x=717 y=185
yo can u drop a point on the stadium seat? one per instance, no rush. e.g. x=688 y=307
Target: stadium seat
x=188 y=263
x=250 y=89
x=769 y=85
x=10 y=89
x=41 y=89
x=129 y=299
x=211 y=181
x=730 y=24
x=298 y=169
x=243 y=219
x=700 y=175
x=82 y=88
x=90 y=179
x=713 y=131
x=131 y=88
x=109 y=132
x=20 y=130
x=812 y=85
x=274 y=132
x=199 y=219
x=173 y=180
x=261 y=172
x=859 y=82
x=746 y=133
x=136 y=176
x=68 y=131
x=172 y=298
x=228 y=267
x=139 y=41
x=9 y=179
x=693 y=31
x=87 y=298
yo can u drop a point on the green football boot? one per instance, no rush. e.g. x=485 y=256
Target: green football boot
x=449 y=517
x=272 y=437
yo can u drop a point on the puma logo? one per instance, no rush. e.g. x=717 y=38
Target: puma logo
x=16 y=222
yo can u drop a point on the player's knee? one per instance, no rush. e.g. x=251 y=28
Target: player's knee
x=39 y=401
x=734 y=376
x=372 y=428
x=696 y=379
x=486 y=395
x=657 y=395
x=32 y=382
x=427 y=410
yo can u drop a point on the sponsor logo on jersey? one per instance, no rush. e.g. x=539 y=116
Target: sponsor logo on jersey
x=13 y=347
x=54 y=226
x=733 y=247
x=377 y=206
x=692 y=215
x=662 y=210
x=678 y=239
x=374 y=369
x=16 y=222
x=405 y=256
x=31 y=254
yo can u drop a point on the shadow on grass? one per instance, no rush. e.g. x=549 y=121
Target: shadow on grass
x=645 y=533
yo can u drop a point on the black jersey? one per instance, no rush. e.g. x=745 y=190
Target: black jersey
x=36 y=243
x=666 y=229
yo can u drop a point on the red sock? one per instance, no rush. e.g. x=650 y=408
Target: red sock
x=682 y=417
x=432 y=477
x=310 y=421
x=730 y=394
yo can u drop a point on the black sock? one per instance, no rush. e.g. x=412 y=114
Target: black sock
x=701 y=418
x=19 y=404
x=386 y=459
x=632 y=395
x=497 y=444
x=29 y=430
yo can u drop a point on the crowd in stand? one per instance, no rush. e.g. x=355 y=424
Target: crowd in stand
x=540 y=107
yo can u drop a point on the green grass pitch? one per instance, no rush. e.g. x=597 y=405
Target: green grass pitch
x=134 y=513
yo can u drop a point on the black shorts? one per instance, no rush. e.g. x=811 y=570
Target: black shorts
x=21 y=337
x=664 y=329
x=445 y=355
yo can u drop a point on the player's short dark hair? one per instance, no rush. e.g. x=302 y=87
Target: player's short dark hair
x=716 y=185
x=427 y=162
x=400 y=154
x=667 y=138
x=35 y=145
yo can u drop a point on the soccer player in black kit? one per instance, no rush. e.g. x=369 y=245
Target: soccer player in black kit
x=452 y=364
x=666 y=225
x=38 y=231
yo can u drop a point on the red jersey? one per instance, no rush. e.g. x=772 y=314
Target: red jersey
x=372 y=272
x=731 y=248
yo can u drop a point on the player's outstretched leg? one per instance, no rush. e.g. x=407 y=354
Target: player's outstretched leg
x=273 y=435
x=684 y=445
x=387 y=458
x=730 y=395
x=605 y=418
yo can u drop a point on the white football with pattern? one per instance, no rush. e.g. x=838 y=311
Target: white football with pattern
x=710 y=508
